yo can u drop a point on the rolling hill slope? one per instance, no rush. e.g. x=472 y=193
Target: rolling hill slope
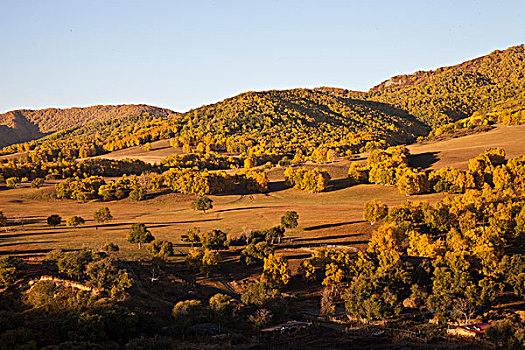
x=25 y=125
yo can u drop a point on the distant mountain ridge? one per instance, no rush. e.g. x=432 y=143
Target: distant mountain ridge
x=24 y=125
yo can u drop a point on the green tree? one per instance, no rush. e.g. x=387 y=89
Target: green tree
x=37 y=182
x=74 y=263
x=101 y=273
x=54 y=220
x=259 y=294
x=202 y=203
x=121 y=285
x=138 y=193
x=256 y=253
x=74 y=221
x=215 y=240
x=377 y=289
x=505 y=335
x=12 y=182
x=210 y=261
x=3 y=219
x=191 y=236
x=188 y=312
x=103 y=215
x=221 y=306
x=138 y=233
x=289 y=219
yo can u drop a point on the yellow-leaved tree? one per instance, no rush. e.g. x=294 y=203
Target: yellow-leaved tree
x=275 y=270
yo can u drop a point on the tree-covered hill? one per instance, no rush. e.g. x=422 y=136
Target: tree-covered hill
x=261 y=123
x=494 y=83
x=25 y=125
x=303 y=113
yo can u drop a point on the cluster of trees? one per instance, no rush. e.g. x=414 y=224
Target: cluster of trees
x=473 y=240
x=13 y=168
x=139 y=234
x=390 y=167
x=94 y=268
x=95 y=187
x=80 y=189
x=176 y=179
x=210 y=161
x=68 y=311
x=315 y=180
x=219 y=309
x=204 y=182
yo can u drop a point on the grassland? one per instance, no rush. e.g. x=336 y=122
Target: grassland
x=333 y=217
x=456 y=152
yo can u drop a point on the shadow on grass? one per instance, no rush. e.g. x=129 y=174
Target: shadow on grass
x=298 y=256
x=276 y=186
x=326 y=237
x=338 y=184
x=24 y=234
x=423 y=160
x=237 y=209
x=319 y=243
x=24 y=243
x=320 y=227
x=27 y=253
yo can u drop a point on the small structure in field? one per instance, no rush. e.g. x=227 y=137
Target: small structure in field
x=475 y=330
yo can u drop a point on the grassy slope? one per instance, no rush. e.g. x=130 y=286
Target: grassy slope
x=456 y=152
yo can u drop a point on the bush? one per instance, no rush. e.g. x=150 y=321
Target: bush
x=111 y=247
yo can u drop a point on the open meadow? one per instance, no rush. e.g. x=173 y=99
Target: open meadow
x=334 y=217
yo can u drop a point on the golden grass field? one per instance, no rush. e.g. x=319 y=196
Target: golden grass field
x=333 y=217
x=456 y=152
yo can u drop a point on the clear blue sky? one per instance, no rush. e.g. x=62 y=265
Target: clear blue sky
x=183 y=54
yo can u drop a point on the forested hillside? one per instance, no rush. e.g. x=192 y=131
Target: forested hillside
x=25 y=125
x=494 y=83
x=273 y=123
